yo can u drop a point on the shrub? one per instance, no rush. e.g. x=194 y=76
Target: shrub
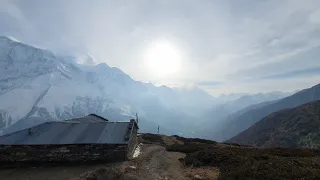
x=253 y=163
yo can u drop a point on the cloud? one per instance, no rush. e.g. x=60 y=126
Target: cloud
x=9 y=8
x=289 y=84
x=224 y=41
x=210 y=83
x=12 y=10
x=297 y=73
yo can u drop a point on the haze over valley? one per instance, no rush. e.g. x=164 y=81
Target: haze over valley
x=209 y=70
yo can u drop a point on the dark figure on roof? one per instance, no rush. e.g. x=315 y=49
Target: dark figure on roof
x=158 y=129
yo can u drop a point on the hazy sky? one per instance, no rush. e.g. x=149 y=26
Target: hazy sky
x=224 y=46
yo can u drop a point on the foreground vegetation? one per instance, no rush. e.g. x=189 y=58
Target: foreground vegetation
x=236 y=162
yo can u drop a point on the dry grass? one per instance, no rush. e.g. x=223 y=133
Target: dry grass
x=291 y=128
x=252 y=163
x=110 y=173
x=206 y=173
x=189 y=147
x=185 y=140
x=213 y=160
x=151 y=139
x=169 y=141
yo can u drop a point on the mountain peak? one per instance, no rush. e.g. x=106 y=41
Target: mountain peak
x=9 y=39
x=86 y=59
x=103 y=65
x=13 y=39
x=4 y=38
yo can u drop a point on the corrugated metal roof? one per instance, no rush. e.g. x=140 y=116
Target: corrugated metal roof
x=69 y=132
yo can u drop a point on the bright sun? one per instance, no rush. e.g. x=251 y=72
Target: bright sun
x=162 y=58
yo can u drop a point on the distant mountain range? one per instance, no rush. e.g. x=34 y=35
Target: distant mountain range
x=243 y=119
x=223 y=110
x=295 y=127
x=38 y=86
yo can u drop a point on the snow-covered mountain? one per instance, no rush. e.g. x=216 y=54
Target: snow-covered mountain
x=37 y=86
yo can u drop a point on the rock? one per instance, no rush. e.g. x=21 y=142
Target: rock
x=197 y=176
x=130 y=169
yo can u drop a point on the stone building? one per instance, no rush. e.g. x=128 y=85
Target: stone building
x=90 y=138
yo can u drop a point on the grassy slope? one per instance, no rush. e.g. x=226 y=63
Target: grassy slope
x=296 y=127
x=240 y=122
x=251 y=163
x=236 y=162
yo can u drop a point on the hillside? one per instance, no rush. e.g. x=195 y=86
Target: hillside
x=296 y=127
x=242 y=120
x=53 y=87
x=178 y=158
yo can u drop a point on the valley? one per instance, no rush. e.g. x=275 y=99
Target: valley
x=159 y=90
x=53 y=87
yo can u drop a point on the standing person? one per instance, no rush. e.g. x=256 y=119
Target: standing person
x=158 y=129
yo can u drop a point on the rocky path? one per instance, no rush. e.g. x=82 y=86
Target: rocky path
x=156 y=163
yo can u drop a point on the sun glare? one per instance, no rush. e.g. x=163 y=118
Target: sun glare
x=162 y=59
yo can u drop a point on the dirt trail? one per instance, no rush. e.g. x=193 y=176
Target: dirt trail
x=156 y=163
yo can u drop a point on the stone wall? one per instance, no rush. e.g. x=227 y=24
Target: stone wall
x=132 y=143
x=72 y=153
x=63 y=153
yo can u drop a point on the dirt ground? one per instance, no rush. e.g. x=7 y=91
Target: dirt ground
x=44 y=173
x=153 y=163
x=157 y=163
x=177 y=158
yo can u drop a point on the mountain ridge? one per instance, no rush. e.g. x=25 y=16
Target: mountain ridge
x=290 y=128
x=244 y=120
x=52 y=87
